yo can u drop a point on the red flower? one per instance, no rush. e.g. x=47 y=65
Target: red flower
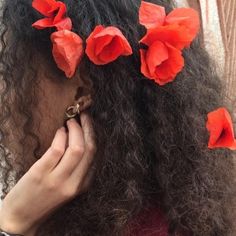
x=105 y=45
x=67 y=50
x=153 y=16
x=161 y=62
x=220 y=126
x=55 y=12
x=168 y=34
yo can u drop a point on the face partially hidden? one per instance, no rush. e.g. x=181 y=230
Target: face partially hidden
x=54 y=96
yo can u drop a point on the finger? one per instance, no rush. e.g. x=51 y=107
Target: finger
x=74 y=151
x=90 y=147
x=54 y=154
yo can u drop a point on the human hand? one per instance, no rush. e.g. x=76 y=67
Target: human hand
x=63 y=172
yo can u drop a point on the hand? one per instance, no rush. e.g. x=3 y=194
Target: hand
x=63 y=172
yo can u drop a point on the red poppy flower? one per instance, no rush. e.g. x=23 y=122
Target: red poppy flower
x=161 y=62
x=152 y=16
x=170 y=34
x=105 y=45
x=67 y=50
x=55 y=12
x=220 y=126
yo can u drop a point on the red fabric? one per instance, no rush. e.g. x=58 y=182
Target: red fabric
x=149 y=222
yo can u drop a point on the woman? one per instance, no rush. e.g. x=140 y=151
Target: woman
x=137 y=161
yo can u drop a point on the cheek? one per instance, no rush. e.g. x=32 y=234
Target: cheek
x=50 y=113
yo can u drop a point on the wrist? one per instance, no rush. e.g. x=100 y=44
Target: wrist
x=16 y=233
x=11 y=227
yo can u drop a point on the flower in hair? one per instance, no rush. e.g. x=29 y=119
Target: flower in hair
x=161 y=62
x=67 y=51
x=166 y=36
x=67 y=46
x=55 y=15
x=220 y=127
x=106 y=44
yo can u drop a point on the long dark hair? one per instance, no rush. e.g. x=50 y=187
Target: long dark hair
x=152 y=140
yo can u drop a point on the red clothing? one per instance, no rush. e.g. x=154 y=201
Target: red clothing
x=150 y=222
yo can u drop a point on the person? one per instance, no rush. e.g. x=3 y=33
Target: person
x=91 y=143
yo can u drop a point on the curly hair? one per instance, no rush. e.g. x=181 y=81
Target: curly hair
x=152 y=140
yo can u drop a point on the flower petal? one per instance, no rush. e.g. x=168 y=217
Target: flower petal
x=43 y=23
x=101 y=43
x=144 y=67
x=67 y=51
x=111 y=51
x=64 y=24
x=91 y=48
x=45 y=7
x=151 y=15
x=61 y=12
x=105 y=45
x=174 y=35
x=187 y=17
x=55 y=12
x=156 y=54
x=220 y=127
x=169 y=69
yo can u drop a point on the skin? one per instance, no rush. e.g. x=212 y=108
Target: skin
x=64 y=171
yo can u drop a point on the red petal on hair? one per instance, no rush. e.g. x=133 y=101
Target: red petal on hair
x=61 y=12
x=93 y=48
x=175 y=35
x=101 y=43
x=55 y=13
x=151 y=15
x=144 y=67
x=161 y=62
x=187 y=17
x=169 y=69
x=45 y=7
x=67 y=51
x=64 y=24
x=105 y=45
x=156 y=55
x=43 y=23
x=112 y=51
x=220 y=127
